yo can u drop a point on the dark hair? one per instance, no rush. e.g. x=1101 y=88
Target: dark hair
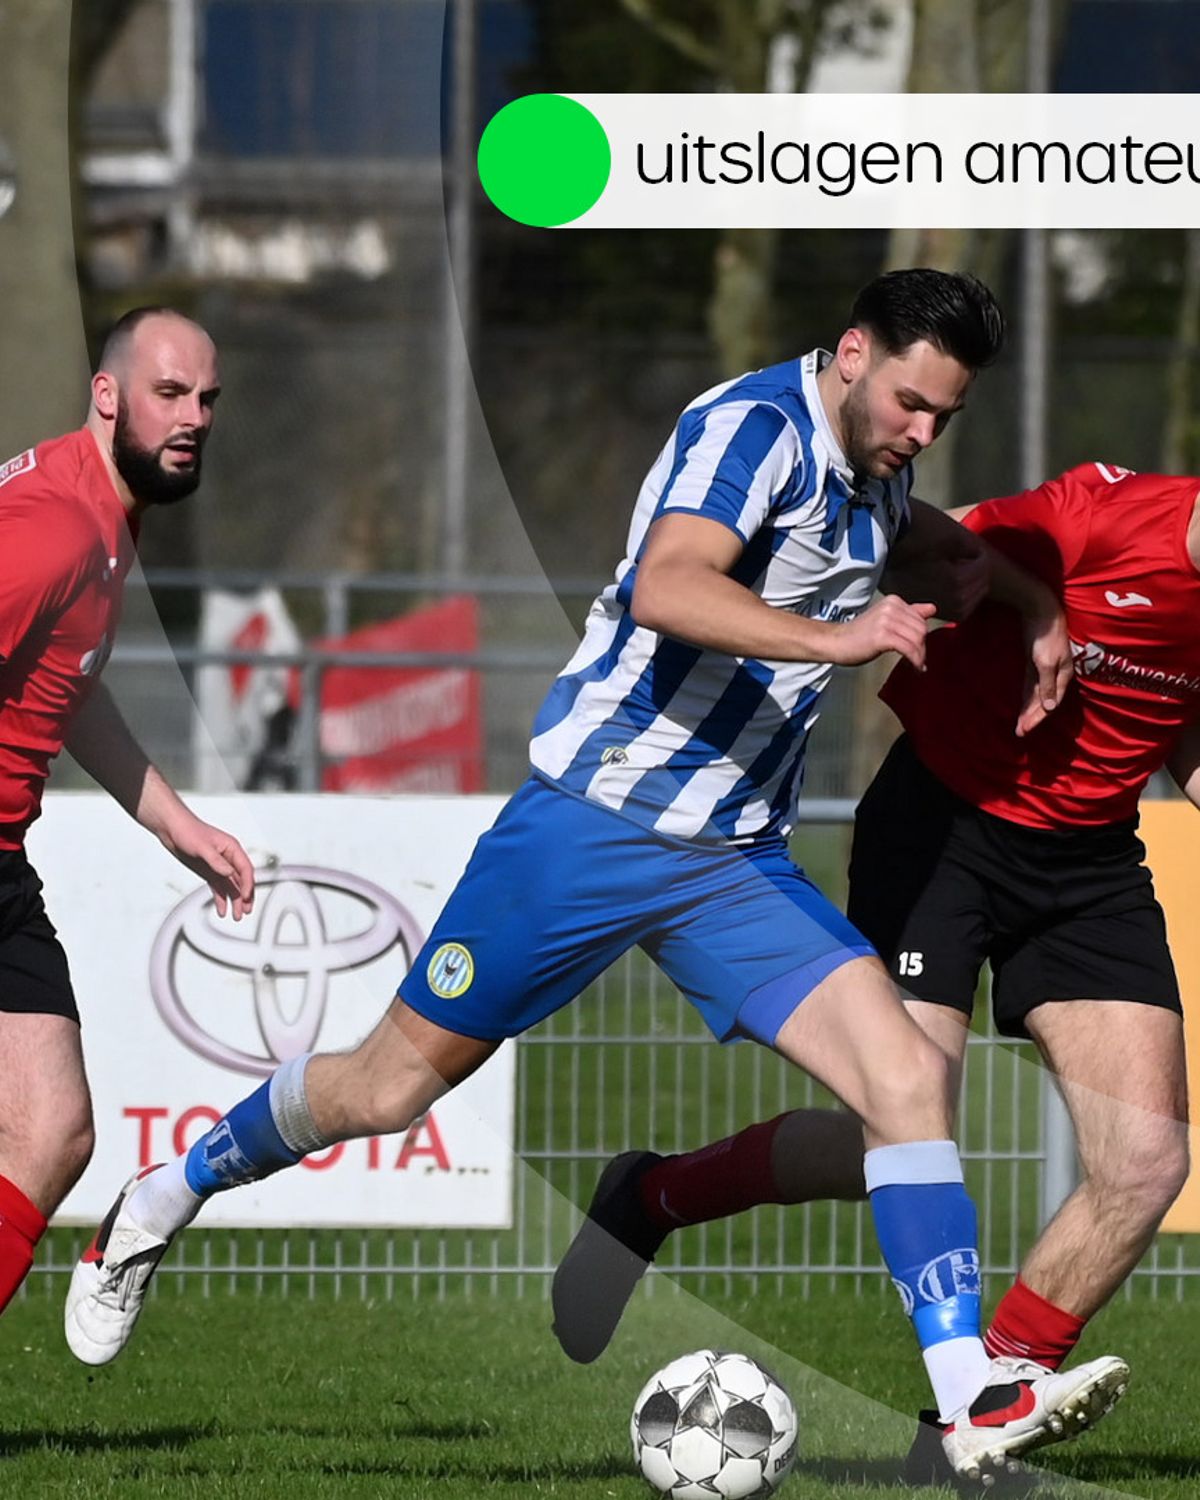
x=950 y=310
x=118 y=338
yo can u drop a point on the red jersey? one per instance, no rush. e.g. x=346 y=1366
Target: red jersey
x=65 y=548
x=1113 y=546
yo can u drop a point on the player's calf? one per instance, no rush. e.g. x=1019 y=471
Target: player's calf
x=1139 y=1183
x=395 y=1075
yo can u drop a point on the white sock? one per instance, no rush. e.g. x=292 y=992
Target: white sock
x=289 y=1107
x=958 y=1371
x=162 y=1203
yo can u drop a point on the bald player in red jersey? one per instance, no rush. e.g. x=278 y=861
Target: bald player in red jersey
x=974 y=842
x=69 y=513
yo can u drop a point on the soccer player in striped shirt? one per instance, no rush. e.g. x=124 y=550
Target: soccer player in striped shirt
x=970 y=844
x=667 y=759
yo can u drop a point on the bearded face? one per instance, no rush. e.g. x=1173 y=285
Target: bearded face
x=897 y=405
x=158 y=475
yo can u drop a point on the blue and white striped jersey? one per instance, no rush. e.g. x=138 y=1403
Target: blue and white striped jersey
x=693 y=743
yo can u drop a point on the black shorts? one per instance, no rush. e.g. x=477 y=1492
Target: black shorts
x=34 y=977
x=938 y=886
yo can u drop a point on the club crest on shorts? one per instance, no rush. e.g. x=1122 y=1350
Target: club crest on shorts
x=450 y=971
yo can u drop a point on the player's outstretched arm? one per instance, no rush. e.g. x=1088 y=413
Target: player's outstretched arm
x=1047 y=642
x=938 y=560
x=102 y=743
x=683 y=589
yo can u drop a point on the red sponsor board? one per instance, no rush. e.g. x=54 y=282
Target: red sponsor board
x=405 y=729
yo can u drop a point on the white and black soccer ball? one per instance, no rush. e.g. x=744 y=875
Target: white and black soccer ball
x=712 y=1424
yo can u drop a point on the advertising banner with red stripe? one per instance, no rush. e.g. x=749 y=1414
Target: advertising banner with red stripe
x=405 y=729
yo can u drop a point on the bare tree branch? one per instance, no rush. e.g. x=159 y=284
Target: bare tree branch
x=95 y=26
x=683 y=40
x=1179 y=426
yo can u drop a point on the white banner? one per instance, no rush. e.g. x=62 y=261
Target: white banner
x=859 y=161
x=184 y=1014
x=235 y=705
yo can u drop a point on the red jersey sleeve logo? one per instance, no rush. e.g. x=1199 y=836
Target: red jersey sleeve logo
x=22 y=464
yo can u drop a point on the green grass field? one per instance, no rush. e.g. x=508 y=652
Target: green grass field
x=242 y=1396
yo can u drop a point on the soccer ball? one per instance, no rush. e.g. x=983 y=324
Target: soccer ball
x=713 y=1424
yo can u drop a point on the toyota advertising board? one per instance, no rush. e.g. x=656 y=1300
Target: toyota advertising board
x=184 y=1013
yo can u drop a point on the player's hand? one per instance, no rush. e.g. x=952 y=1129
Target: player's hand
x=890 y=624
x=1049 y=670
x=218 y=859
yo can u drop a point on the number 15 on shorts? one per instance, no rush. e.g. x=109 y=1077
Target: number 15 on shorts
x=912 y=963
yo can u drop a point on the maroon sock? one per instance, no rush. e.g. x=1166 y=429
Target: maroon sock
x=21 y=1227
x=714 y=1182
x=1029 y=1327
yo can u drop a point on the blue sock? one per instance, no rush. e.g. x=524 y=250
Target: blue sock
x=927 y=1231
x=246 y=1144
x=267 y=1131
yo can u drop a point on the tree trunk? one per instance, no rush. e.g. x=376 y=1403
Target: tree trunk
x=734 y=41
x=739 y=310
x=43 y=357
x=945 y=47
x=1181 y=431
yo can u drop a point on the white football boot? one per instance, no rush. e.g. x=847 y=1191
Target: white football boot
x=109 y=1282
x=1024 y=1406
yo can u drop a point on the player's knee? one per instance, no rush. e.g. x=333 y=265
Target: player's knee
x=907 y=1095
x=1148 y=1175
x=1163 y=1170
x=78 y=1143
x=48 y=1152
x=1173 y=1173
x=68 y=1137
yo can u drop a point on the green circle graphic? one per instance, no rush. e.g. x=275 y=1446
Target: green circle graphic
x=544 y=160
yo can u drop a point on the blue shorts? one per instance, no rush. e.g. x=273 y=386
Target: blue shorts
x=559 y=888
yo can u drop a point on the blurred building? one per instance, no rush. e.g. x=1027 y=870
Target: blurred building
x=280 y=166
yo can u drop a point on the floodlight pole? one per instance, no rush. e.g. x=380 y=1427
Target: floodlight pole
x=1059 y=1170
x=459 y=292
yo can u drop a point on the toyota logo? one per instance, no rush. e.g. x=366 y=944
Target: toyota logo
x=287 y=937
